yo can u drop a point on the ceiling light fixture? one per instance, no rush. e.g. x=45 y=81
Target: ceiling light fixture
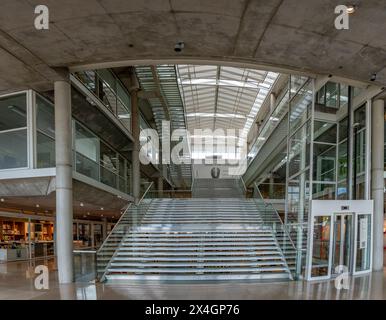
x=351 y=9
x=37 y=206
x=82 y=204
x=2 y=200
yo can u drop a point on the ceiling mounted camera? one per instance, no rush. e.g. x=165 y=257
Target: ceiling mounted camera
x=179 y=46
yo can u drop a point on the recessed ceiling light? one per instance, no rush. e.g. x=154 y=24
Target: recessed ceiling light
x=2 y=200
x=82 y=204
x=351 y=9
x=102 y=208
x=37 y=206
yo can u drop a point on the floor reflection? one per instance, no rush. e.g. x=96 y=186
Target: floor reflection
x=17 y=282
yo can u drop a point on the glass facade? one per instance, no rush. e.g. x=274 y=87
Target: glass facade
x=110 y=91
x=92 y=156
x=326 y=150
x=13 y=132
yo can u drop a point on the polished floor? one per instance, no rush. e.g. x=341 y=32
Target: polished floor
x=17 y=282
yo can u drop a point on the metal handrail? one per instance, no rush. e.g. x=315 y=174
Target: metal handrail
x=243 y=183
x=144 y=194
x=115 y=252
x=278 y=216
x=111 y=232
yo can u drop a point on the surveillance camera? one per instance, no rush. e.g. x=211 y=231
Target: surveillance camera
x=179 y=46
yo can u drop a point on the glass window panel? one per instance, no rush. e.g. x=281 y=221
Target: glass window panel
x=109 y=178
x=342 y=192
x=86 y=166
x=300 y=107
x=343 y=96
x=86 y=143
x=321 y=96
x=45 y=117
x=13 y=112
x=296 y=83
x=88 y=78
x=342 y=161
x=363 y=243
x=325 y=132
x=124 y=115
x=108 y=158
x=299 y=150
x=343 y=127
x=298 y=197
x=13 y=151
x=324 y=162
x=332 y=94
x=321 y=246
x=45 y=149
x=323 y=191
x=360 y=118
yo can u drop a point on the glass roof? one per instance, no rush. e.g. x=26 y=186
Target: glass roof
x=222 y=97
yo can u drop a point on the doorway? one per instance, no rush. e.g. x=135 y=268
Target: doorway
x=342 y=242
x=340 y=238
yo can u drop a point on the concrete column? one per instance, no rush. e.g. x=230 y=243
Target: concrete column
x=377 y=180
x=104 y=228
x=160 y=186
x=136 y=145
x=92 y=231
x=272 y=101
x=64 y=214
x=271 y=186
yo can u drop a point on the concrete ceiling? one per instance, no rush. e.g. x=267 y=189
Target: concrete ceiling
x=289 y=34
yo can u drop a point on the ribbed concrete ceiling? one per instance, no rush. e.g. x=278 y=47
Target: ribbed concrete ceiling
x=298 y=35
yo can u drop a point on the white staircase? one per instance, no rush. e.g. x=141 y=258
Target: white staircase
x=198 y=239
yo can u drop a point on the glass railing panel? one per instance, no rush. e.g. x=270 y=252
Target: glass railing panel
x=87 y=166
x=108 y=177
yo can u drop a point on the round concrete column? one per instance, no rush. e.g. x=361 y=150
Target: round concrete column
x=64 y=214
x=136 y=146
x=160 y=186
x=377 y=180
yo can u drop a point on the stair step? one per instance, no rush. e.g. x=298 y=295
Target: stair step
x=199 y=258
x=193 y=264
x=196 y=270
x=195 y=254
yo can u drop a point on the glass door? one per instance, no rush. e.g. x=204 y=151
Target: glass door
x=343 y=239
x=320 y=250
x=363 y=252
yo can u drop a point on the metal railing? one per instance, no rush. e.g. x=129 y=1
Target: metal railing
x=131 y=218
x=291 y=252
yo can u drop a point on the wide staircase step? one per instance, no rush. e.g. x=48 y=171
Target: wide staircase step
x=204 y=238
